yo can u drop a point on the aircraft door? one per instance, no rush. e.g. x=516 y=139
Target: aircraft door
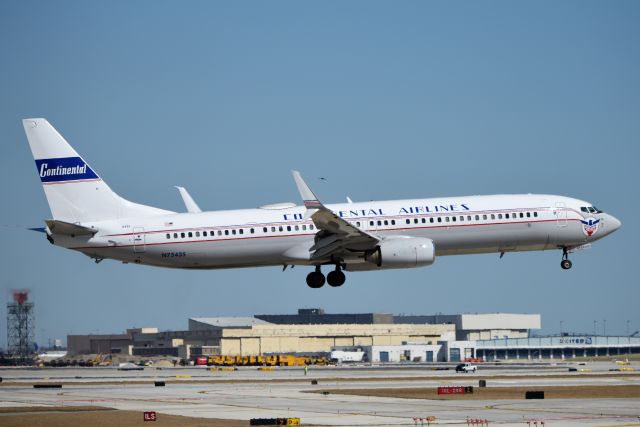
x=139 y=239
x=561 y=214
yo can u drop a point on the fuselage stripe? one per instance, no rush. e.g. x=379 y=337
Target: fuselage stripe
x=225 y=239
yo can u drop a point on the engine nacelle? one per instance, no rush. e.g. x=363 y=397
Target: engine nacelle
x=403 y=252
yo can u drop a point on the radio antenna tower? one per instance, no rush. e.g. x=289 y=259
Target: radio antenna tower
x=20 y=325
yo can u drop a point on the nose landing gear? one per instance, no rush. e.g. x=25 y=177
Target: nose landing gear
x=565 y=263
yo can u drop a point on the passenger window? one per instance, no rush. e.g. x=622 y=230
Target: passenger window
x=415 y=220
x=453 y=218
x=461 y=218
x=477 y=217
x=446 y=218
x=493 y=216
x=304 y=226
x=233 y=231
x=280 y=228
x=506 y=216
x=535 y=214
x=371 y=223
x=468 y=217
x=226 y=232
x=251 y=230
x=219 y=232
x=175 y=235
x=358 y=223
x=521 y=215
x=273 y=229
x=297 y=228
x=499 y=216
x=288 y=228
x=393 y=222
x=168 y=236
x=431 y=220
x=484 y=217
x=204 y=233
x=408 y=221
x=182 y=235
x=379 y=222
x=241 y=231
x=528 y=214
x=439 y=219
x=424 y=220
x=190 y=234
x=311 y=227
x=386 y=222
x=264 y=229
x=197 y=234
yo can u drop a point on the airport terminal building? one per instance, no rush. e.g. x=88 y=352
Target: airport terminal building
x=556 y=347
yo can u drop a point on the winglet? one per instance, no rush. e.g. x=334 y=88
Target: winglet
x=192 y=206
x=310 y=200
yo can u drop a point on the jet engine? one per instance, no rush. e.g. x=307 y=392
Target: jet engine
x=403 y=252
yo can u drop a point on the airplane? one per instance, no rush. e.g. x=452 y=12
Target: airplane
x=88 y=217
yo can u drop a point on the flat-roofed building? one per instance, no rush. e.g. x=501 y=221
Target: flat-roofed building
x=266 y=339
x=472 y=327
x=556 y=347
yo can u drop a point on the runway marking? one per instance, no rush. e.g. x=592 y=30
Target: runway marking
x=579 y=415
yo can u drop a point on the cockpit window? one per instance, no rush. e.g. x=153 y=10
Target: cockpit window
x=590 y=209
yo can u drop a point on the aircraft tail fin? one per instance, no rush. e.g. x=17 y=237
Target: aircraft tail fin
x=74 y=190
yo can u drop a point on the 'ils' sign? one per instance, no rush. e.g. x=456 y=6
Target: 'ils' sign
x=150 y=416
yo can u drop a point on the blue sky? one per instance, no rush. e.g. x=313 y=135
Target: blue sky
x=383 y=99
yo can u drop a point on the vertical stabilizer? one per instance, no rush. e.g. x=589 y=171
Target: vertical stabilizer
x=74 y=190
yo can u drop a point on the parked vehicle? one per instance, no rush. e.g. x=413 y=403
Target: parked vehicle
x=466 y=367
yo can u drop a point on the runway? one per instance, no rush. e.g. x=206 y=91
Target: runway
x=285 y=392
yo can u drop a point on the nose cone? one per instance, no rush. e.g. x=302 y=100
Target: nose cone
x=612 y=224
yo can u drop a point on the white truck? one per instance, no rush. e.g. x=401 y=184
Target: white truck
x=466 y=367
x=341 y=356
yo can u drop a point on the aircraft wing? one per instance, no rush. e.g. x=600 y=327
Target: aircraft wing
x=336 y=237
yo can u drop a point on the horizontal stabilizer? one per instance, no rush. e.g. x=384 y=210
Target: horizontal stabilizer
x=68 y=229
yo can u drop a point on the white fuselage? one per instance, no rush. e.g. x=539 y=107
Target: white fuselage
x=264 y=237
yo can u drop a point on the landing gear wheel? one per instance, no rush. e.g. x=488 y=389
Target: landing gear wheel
x=315 y=279
x=565 y=263
x=336 y=278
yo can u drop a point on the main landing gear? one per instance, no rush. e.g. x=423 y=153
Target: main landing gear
x=565 y=263
x=335 y=278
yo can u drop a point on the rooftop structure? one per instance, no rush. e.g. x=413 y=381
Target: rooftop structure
x=201 y=323
x=317 y=316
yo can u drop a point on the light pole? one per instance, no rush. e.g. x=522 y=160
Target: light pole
x=627 y=328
